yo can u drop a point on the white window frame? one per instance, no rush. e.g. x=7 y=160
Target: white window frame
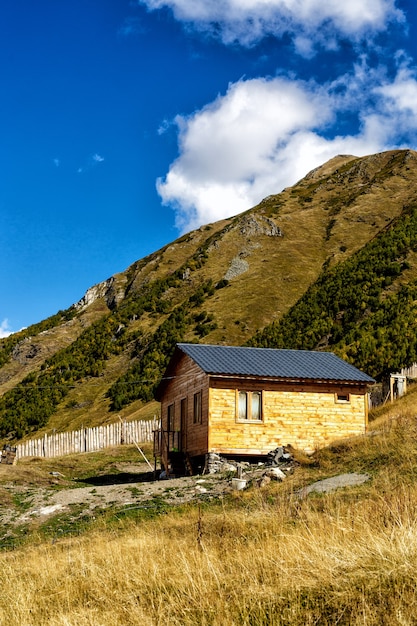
x=249 y=396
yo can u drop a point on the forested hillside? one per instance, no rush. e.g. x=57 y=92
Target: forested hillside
x=329 y=264
x=364 y=309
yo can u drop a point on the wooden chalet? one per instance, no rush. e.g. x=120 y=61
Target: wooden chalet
x=245 y=402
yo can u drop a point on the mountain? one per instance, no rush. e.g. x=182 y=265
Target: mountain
x=330 y=263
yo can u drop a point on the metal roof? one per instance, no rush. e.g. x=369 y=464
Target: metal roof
x=272 y=363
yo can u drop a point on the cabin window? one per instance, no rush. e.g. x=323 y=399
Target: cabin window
x=249 y=406
x=183 y=413
x=171 y=417
x=197 y=408
x=342 y=397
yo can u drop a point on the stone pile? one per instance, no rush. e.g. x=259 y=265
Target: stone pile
x=278 y=464
x=278 y=456
x=215 y=464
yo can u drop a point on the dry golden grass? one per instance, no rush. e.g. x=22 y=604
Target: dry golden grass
x=287 y=563
x=263 y=557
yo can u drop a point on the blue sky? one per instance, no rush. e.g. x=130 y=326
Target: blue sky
x=124 y=123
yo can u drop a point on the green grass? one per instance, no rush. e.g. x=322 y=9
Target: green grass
x=74 y=467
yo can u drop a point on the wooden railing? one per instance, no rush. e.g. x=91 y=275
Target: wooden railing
x=169 y=440
x=89 y=439
x=164 y=442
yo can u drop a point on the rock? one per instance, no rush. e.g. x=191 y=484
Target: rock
x=237 y=266
x=228 y=467
x=263 y=481
x=274 y=457
x=25 y=351
x=259 y=225
x=186 y=274
x=216 y=464
x=275 y=474
x=278 y=456
x=330 y=484
x=108 y=290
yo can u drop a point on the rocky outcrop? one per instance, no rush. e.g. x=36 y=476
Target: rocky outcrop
x=109 y=290
x=237 y=267
x=259 y=225
x=251 y=226
x=25 y=351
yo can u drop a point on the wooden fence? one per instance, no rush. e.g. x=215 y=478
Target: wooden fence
x=89 y=439
x=410 y=372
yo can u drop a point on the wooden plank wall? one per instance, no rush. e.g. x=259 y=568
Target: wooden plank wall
x=187 y=380
x=305 y=419
x=89 y=439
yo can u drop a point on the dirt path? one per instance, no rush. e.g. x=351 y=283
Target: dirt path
x=174 y=491
x=38 y=504
x=28 y=500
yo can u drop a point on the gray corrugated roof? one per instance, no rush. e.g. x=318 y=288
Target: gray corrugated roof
x=271 y=363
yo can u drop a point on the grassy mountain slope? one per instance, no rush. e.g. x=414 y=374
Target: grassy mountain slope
x=328 y=263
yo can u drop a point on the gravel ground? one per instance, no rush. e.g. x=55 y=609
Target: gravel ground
x=40 y=503
x=26 y=505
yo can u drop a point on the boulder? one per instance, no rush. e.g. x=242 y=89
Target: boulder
x=275 y=474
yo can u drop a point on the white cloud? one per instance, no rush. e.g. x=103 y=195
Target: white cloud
x=229 y=149
x=265 y=134
x=164 y=127
x=248 y=21
x=92 y=161
x=5 y=330
x=401 y=96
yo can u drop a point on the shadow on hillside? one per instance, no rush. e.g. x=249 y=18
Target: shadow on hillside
x=119 y=479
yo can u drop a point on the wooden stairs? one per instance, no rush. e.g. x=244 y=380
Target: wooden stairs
x=179 y=464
